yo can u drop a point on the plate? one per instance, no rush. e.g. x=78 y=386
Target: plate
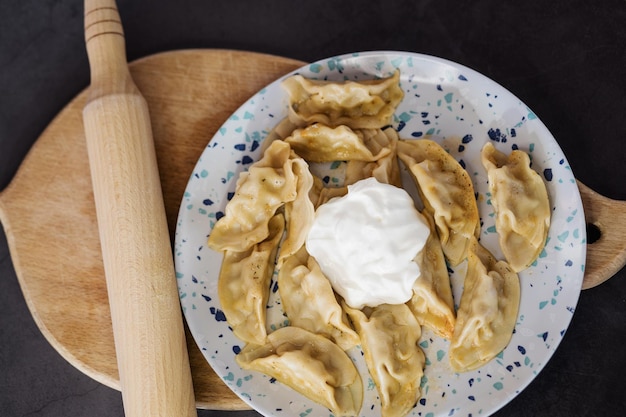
x=462 y=110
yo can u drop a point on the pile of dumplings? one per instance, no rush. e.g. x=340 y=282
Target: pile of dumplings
x=266 y=224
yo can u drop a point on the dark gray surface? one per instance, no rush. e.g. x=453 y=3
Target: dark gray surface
x=565 y=59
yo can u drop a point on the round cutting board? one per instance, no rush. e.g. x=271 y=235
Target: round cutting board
x=49 y=217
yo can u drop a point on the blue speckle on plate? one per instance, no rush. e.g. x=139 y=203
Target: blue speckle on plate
x=316 y=68
x=219 y=314
x=496 y=135
x=547 y=174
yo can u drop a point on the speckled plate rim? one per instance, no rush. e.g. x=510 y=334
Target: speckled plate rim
x=461 y=109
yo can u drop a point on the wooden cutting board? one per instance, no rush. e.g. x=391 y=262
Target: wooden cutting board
x=49 y=215
x=48 y=210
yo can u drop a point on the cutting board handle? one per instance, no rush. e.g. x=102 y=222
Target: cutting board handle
x=153 y=363
x=606 y=236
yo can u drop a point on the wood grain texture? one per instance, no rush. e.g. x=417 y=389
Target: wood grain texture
x=607 y=255
x=148 y=331
x=48 y=210
x=49 y=214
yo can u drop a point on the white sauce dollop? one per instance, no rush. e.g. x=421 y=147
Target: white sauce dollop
x=365 y=243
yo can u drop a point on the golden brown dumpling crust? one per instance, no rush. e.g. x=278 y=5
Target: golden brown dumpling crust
x=309 y=301
x=432 y=301
x=300 y=212
x=487 y=311
x=367 y=104
x=263 y=189
x=321 y=143
x=385 y=169
x=447 y=192
x=310 y=364
x=243 y=285
x=389 y=338
x=520 y=200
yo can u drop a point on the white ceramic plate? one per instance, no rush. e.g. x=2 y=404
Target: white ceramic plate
x=462 y=110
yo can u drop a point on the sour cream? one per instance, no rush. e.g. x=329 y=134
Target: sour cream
x=365 y=243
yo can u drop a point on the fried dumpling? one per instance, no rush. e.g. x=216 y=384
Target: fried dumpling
x=266 y=186
x=310 y=364
x=320 y=194
x=447 y=192
x=358 y=104
x=386 y=168
x=281 y=131
x=309 y=301
x=321 y=143
x=389 y=338
x=487 y=312
x=520 y=200
x=243 y=284
x=299 y=213
x=432 y=301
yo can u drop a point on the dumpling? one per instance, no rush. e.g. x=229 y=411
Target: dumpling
x=358 y=104
x=310 y=364
x=281 y=131
x=520 y=200
x=309 y=301
x=320 y=194
x=389 y=338
x=243 y=284
x=321 y=143
x=487 y=312
x=432 y=301
x=299 y=213
x=385 y=169
x=266 y=186
x=447 y=192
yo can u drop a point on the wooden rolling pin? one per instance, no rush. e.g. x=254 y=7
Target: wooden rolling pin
x=152 y=357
